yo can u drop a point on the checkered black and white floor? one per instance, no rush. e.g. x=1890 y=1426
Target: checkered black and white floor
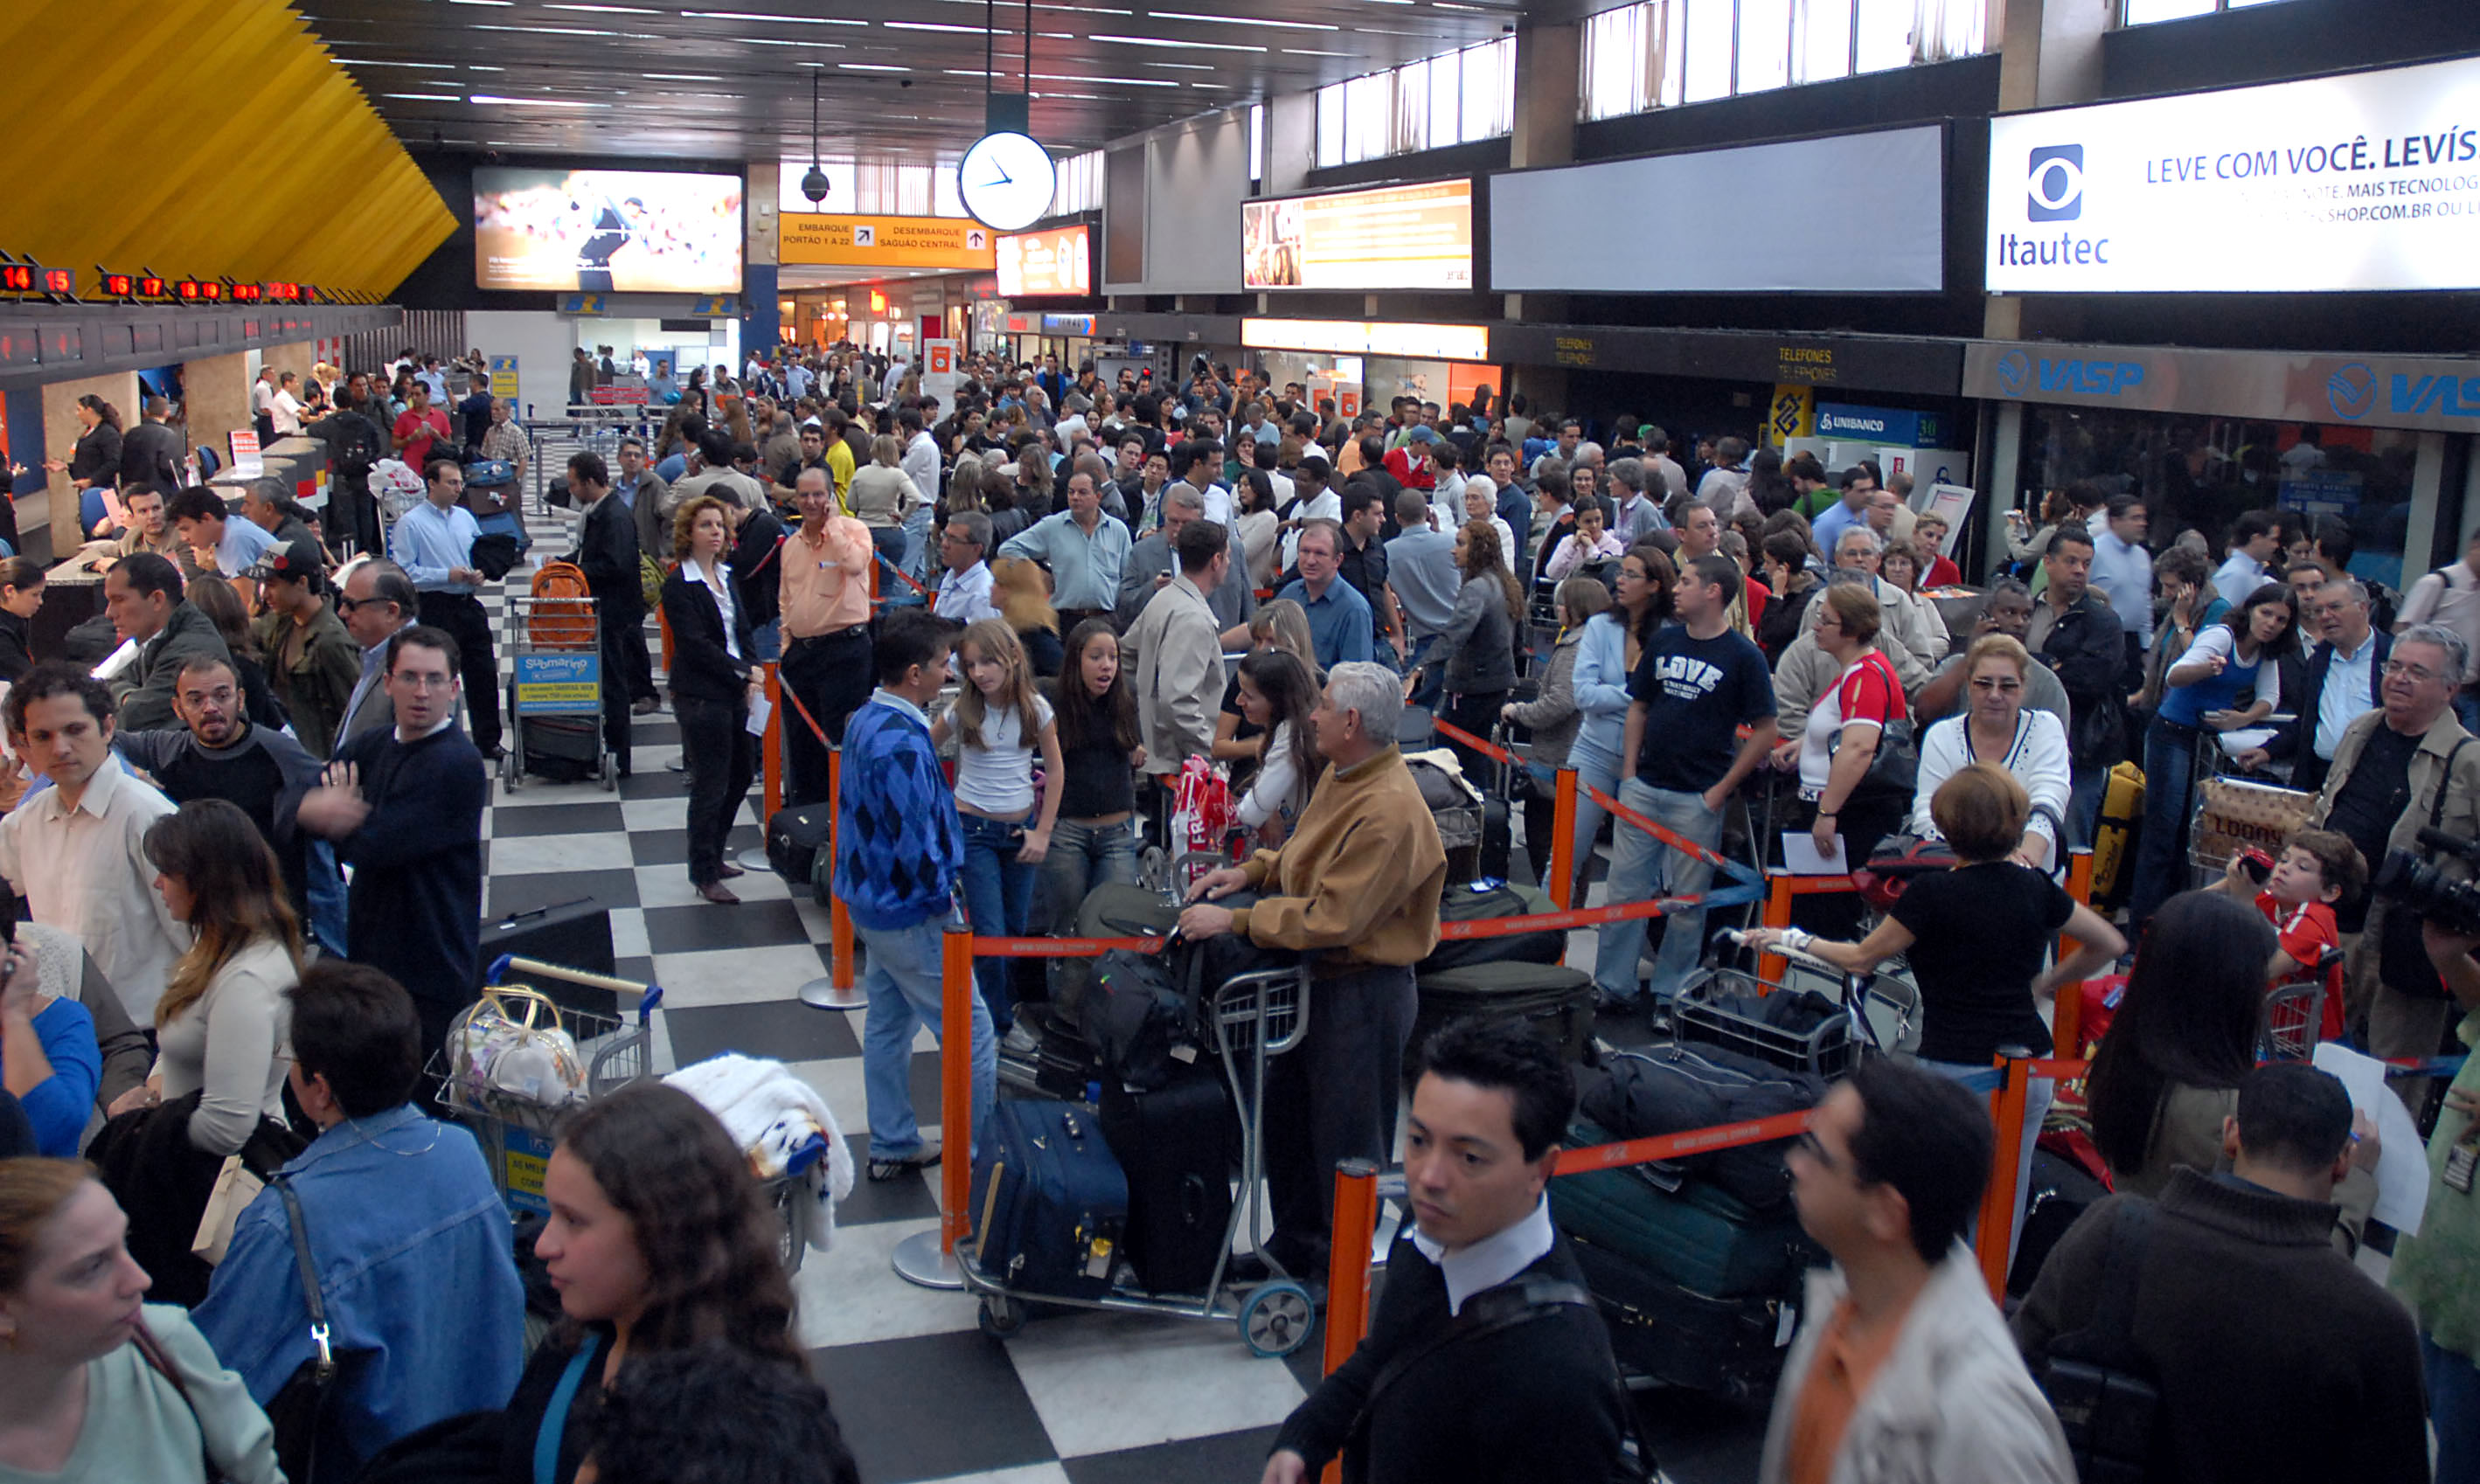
x=920 y=1392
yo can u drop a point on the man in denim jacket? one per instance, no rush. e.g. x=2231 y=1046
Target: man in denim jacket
x=408 y=1234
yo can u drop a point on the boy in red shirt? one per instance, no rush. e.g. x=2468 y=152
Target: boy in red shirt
x=2316 y=869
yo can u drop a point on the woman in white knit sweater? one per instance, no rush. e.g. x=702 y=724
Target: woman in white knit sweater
x=1996 y=727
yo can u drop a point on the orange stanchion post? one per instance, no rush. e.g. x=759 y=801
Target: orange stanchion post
x=773 y=741
x=929 y=1258
x=2067 y=1010
x=666 y=625
x=1347 y=1273
x=2007 y=1107
x=1562 y=838
x=840 y=927
x=1771 y=967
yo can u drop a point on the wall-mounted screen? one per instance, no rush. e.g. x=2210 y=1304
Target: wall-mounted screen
x=1059 y=260
x=1600 y=228
x=612 y=231
x=1395 y=236
x=2364 y=180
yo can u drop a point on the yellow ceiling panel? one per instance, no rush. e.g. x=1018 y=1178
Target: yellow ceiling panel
x=203 y=138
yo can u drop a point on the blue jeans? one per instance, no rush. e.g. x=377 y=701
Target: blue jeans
x=766 y=642
x=2161 y=860
x=1081 y=858
x=2453 y=1410
x=1594 y=769
x=1633 y=856
x=327 y=898
x=900 y=976
x=2466 y=709
x=999 y=894
x=2083 y=806
x=1435 y=682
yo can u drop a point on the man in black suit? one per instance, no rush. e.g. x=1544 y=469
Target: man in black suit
x=153 y=451
x=2343 y=674
x=606 y=552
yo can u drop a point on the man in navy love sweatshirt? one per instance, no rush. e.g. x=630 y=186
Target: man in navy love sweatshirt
x=405 y=805
x=898 y=849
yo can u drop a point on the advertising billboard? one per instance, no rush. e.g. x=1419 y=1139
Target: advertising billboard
x=883 y=241
x=2362 y=181
x=606 y=231
x=1395 y=236
x=1590 y=229
x=1059 y=260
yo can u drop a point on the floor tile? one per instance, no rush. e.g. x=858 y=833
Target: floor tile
x=578 y=818
x=668 y=886
x=1105 y=1382
x=671 y=847
x=1031 y=1473
x=1231 y=1457
x=783 y=1029
x=737 y=975
x=908 y=1198
x=533 y=855
x=706 y=926
x=931 y=1407
x=513 y=894
x=651 y=779
x=851 y=1293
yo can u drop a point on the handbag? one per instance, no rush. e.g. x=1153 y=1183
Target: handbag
x=1895 y=767
x=2402 y=959
x=297 y=1411
x=509 y=1046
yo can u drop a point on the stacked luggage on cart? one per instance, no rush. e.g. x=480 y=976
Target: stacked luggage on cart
x=1699 y=1265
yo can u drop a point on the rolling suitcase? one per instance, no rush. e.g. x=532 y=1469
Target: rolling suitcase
x=1680 y=1229
x=1497 y=843
x=573 y=935
x=1470 y=904
x=1176 y=1145
x=1554 y=1002
x=563 y=749
x=1049 y=1204
x=1060 y=1064
x=1730 y=1347
x=1671 y=1090
x=1112 y=909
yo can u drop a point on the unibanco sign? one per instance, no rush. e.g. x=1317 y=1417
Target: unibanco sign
x=2364 y=181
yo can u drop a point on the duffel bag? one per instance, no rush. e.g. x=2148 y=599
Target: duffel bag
x=1671 y=1090
x=1479 y=903
x=1137 y=1018
x=795 y=838
x=1111 y=910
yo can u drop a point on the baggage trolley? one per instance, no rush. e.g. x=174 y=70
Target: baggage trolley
x=2228 y=811
x=556 y=653
x=1255 y=1017
x=517 y=1135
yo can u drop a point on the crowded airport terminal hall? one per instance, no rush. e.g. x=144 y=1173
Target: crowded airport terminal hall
x=1354 y=742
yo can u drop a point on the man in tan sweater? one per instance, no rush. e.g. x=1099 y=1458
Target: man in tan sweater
x=1355 y=891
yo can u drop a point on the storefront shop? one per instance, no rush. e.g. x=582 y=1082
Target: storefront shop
x=1367 y=363
x=2202 y=435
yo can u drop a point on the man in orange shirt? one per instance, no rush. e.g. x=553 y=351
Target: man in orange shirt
x=825 y=587
x=1903 y=1369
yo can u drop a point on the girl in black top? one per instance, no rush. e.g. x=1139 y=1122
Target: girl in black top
x=1975 y=936
x=1094 y=840
x=21 y=593
x=658 y=1240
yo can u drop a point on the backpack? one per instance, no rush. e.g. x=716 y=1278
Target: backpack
x=357 y=448
x=564 y=610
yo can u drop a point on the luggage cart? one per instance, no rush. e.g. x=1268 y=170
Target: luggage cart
x=517 y=1134
x=2229 y=809
x=1255 y=1017
x=556 y=673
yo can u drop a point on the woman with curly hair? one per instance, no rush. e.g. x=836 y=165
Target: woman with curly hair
x=659 y=1240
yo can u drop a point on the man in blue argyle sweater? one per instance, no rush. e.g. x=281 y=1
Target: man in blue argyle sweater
x=898 y=849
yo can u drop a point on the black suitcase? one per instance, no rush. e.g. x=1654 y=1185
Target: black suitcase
x=1680 y=1229
x=1061 y=1065
x=1175 y=1144
x=1672 y=1090
x=795 y=839
x=573 y=935
x=1049 y=1204
x=1729 y=1347
x=1498 y=844
x=2058 y=1192
x=562 y=748
x=1461 y=903
x=1112 y=909
x=1554 y=1002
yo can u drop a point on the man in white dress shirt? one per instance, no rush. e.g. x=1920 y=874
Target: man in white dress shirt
x=964 y=547
x=76 y=851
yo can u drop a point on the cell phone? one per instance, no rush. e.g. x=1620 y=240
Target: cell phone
x=2256 y=863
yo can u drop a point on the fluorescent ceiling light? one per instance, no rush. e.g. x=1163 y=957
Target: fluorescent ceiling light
x=1253 y=22
x=603 y=10
x=477 y=68
x=765 y=41
x=482 y=1
x=434 y=66
x=928 y=25
x=1057 y=36
x=490 y=98
x=427 y=97
x=1179 y=46
x=1293 y=51
x=681 y=77
x=1107 y=81
x=1185 y=66
x=871 y=66
x=804 y=20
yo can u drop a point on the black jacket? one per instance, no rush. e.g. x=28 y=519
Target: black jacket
x=16 y=657
x=150 y=458
x=607 y=552
x=2297 y=739
x=757 y=582
x=701 y=667
x=2086 y=649
x=1538 y=1401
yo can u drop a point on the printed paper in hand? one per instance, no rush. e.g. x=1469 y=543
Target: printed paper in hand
x=2402 y=1164
x=761 y=711
x=1801 y=856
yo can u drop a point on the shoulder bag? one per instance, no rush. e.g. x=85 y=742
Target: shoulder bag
x=2402 y=959
x=299 y=1410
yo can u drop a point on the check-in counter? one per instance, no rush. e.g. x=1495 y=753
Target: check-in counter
x=299 y=461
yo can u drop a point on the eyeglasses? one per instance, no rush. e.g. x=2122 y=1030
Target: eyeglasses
x=2008 y=687
x=2410 y=671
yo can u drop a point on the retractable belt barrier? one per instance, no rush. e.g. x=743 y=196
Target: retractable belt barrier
x=910 y=580
x=1736 y=870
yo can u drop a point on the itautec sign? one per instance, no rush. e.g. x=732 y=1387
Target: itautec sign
x=2369 y=392
x=2364 y=181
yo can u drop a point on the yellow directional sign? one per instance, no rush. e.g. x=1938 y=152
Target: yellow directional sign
x=809 y=237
